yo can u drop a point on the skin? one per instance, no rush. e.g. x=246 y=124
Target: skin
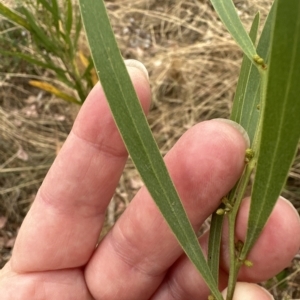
x=55 y=254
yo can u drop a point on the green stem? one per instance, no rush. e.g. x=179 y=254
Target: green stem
x=235 y=262
x=263 y=91
x=237 y=196
x=257 y=137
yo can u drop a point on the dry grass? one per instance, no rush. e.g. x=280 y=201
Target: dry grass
x=33 y=127
x=193 y=66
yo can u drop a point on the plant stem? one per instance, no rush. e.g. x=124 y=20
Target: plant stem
x=235 y=262
x=257 y=137
x=263 y=90
x=237 y=259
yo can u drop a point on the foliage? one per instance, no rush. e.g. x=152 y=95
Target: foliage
x=265 y=103
x=55 y=32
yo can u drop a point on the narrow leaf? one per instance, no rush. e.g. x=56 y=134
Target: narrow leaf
x=239 y=97
x=46 y=5
x=281 y=121
x=246 y=107
x=77 y=32
x=45 y=86
x=60 y=73
x=215 y=233
x=38 y=32
x=69 y=17
x=214 y=245
x=251 y=106
x=228 y=14
x=136 y=133
x=14 y=17
x=55 y=14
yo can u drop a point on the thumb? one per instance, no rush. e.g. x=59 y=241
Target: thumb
x=249 y=291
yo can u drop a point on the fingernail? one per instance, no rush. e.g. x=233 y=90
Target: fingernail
x=291 y=205
x=238 y=127
x=137 y=64
x=249 y=291
x=267 y=293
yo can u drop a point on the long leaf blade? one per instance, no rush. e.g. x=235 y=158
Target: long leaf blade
x=33 y=60
x=214 y=245
x=38 y=32
x=228 y=14
x=136 y=133
x=46 y=5
x=281 y=122
x=245 y=109
x=14 y=17
x=250 y=114
x=69 y=17
x=239 y=97
x=60 y=73
x=55 y=14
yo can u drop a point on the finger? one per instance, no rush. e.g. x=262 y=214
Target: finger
x=62 y=284
x=276 y=246
x=64 y=222
x=269 y=255
x=249 y=291
x=183 y=281
x=132 y=260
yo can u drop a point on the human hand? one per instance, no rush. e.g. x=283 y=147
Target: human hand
x=55 y=255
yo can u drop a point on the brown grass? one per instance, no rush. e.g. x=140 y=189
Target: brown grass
x=193 y=66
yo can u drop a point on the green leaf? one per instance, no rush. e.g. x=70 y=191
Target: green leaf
x=78 y=28
x=136 y=133
x=32 y=60
x=217 y=220
x=281 y=122
x=14 y=17
x=46 y=5
x=60 y=73
x=228 y=14
x=52 y=9
x=251 y=107
x=214 y=245
x=246 y=103
x=239 y=97
x=38 y=32
x=69 y=18
x=55 y=14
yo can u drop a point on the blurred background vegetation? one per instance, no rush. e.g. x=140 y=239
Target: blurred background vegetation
x=44 y=59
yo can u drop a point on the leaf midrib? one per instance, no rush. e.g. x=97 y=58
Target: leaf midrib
x=276 y=146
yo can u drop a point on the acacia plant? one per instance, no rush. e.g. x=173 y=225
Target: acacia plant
x=54 y=30
x=266 y=104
